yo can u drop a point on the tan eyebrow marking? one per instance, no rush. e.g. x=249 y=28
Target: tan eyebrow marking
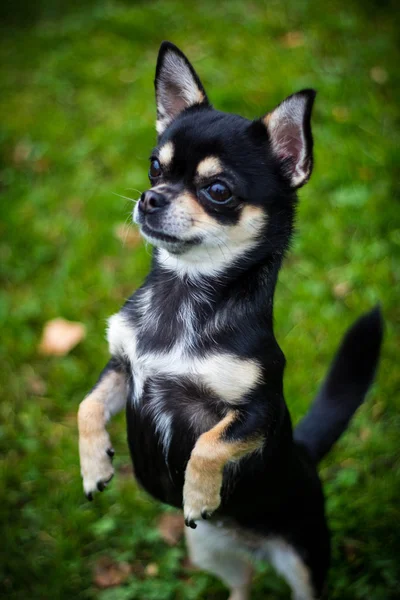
x=209 y=167
x=166 y=154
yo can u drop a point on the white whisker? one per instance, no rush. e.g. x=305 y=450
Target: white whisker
x=134 y=190
x=126 y=198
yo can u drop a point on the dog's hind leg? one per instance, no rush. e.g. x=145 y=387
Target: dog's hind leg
x=216 y=550
x=288 y=564
x=107 y=398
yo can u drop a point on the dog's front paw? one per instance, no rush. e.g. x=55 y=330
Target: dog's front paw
x=96 y=454
x=201 y=495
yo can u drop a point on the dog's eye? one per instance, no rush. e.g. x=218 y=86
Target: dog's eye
x=219 y=192
x=155 y=168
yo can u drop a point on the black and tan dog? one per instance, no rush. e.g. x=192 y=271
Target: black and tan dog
x=194 y=357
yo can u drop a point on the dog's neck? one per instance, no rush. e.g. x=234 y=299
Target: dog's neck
x=247 y=281
x=209 y=262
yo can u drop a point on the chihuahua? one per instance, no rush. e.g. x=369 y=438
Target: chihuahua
x=194 y=360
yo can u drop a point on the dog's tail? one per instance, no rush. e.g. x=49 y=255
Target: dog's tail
x=345 y=387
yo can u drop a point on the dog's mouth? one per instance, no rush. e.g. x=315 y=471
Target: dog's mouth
x=160 y=235
x=165 y=240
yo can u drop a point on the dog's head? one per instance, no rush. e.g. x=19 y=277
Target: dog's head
x=221 y=185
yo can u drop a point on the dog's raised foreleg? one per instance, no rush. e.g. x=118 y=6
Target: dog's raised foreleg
x=107 y=398
x=214 y=449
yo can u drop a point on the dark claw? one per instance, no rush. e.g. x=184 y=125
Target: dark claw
x=190 y=523
x=205 y=515
x=89 y=496
x=110 y=452
x=101 y=486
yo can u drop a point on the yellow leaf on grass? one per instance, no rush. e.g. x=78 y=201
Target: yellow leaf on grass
x=109 y=573
x=379 y=75
x=22 y=151
x=151 y=570
x=60 y=336
x=34 y=383
x=342 y=289
x=292 y=39
x=170 y=527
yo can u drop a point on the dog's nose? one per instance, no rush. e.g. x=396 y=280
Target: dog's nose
x=152 y=201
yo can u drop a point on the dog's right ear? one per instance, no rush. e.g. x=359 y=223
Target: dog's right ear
x=289 y=130
x=177 y=85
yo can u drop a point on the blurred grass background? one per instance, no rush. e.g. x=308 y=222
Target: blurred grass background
x=77 y=126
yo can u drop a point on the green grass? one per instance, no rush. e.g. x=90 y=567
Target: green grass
x=77 y=117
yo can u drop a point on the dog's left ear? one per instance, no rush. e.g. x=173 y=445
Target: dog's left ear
x=289 y=129
x=177 y=85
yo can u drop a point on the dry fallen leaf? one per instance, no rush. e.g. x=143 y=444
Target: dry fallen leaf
x=108 y=573
x=42 y=165
x=129 y=236
x=365 y=434
x=342 y=289
x=170 y=527
x=22 y=152
x=292 y=39
x=379 y=75
x=151 y=570
x=60 y=336
x=35 y=384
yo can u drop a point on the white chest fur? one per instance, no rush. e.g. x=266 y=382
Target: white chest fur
x=227 y=375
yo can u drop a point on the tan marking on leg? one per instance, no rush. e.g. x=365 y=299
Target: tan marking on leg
x=209 y=167
x=166 y=154
x=94 y=441
x=204 y=472
x=91 y=416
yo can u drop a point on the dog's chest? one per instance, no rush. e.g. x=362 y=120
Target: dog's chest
x=178 y=391
x=226 y=376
